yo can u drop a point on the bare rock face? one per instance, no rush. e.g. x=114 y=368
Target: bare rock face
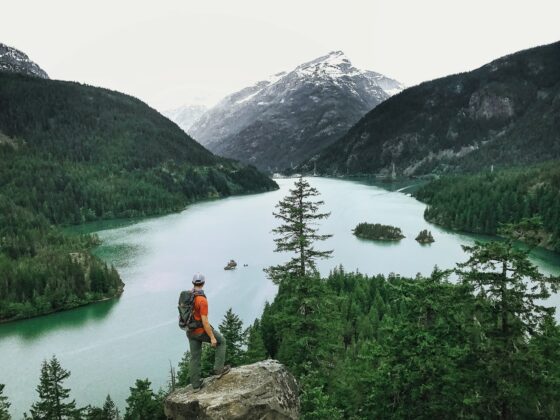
x=263 y=390
x=15 y=61
x=486 y=105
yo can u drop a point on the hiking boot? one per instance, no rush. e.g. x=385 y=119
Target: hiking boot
x=195 y=390
x=222 y=372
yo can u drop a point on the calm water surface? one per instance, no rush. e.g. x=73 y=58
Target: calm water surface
x=107 y=346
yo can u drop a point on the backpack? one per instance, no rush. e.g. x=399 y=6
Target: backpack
x=186 y=308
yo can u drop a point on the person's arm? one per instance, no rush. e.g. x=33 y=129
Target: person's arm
x=208 y=330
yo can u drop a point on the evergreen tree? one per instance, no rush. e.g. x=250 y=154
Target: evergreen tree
x=183 y=371
x=52 y=394
x=232 y=330
x=297 y=233
x=143 y=403
x=4 y=405
x=255 y=344
x=110 y=410
x=509 y=289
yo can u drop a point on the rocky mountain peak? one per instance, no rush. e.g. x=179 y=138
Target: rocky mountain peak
x=15 y=61
x=288 y=117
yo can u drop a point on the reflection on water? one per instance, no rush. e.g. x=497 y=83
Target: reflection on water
x=34 y=328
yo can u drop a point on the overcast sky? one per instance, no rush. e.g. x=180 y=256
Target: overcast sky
x=174 y=52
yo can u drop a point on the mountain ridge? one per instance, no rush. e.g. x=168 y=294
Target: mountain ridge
x=503 y=113
x=280 y=121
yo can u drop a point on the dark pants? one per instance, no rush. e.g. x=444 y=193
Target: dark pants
x=195 y=343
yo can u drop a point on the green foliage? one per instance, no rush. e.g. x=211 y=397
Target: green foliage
x=255 y=344
x=183 y=371
x=4 y=405
x=297 y=234
x=425 y=237
x=509 y=289
x=502 y=114
x=52 y=402
x=232 y=330
x=143 y=403
x=482 y=203
x=70 y=154
x=378 y=232
x=109 y=411
x=391 y=347
x=42 y=270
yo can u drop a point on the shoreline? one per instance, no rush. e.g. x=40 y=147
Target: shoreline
x=54 y=311
x=67 y=230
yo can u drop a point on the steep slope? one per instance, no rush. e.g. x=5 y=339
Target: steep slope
x=506 y=112
x=185 y=116
x=15 y=61
x=71 y=153
x=98 y=153
x=281 y=121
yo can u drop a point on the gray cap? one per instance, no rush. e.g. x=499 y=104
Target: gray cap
x=198 y=279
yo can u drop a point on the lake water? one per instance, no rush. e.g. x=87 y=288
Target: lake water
x=107 y=346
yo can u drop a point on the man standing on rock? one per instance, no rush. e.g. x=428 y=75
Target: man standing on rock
x=204 y=333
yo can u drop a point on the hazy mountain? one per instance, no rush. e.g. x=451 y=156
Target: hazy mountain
x=504 y=113
x=15 y=61
x=185 y=116
x=289 y=117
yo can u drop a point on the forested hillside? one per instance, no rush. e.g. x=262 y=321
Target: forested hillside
x=71 y=153
x=480 y=203
x=504 y=113
x=390 y=347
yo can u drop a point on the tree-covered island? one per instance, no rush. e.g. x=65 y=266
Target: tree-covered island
x=378 y=232
x=425 y=237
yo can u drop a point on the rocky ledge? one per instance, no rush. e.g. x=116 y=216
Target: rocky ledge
x=263 y=390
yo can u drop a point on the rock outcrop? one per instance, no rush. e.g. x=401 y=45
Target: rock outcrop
x=263 y=390
x=15 y=61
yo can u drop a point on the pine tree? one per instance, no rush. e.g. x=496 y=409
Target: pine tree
x=183 y=370
x=297 y=233
x=4 y=405
x=255 y=344
x=232 y=330
x=143 y=403
x=509 y=289
x=110 y=410
x=52 y=394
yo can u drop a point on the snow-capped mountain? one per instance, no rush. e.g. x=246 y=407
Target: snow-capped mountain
x=15 y=61
x=186 y=115
x=281 y=121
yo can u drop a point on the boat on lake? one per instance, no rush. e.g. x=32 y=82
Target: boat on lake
x=231 y=265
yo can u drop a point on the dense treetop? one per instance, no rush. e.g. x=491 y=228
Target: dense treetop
x=480 y=203
x=377 y=231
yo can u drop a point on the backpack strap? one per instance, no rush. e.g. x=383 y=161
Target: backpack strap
x=198 y=293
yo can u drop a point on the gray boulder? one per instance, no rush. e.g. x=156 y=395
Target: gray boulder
x=263 y=390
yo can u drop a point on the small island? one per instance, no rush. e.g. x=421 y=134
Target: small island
x=378 y=232
x=425 y=237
